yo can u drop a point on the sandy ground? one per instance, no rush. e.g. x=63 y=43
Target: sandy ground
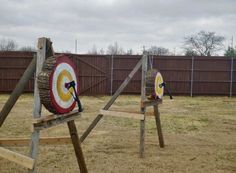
x=199 y=133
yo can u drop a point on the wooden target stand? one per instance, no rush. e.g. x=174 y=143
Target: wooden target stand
x=145 y=65
x=45 y=50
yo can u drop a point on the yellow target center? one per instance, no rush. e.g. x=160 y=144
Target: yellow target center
x=159 y=90
x=64 y=94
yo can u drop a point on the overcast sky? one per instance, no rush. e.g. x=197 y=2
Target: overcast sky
x=132 y=23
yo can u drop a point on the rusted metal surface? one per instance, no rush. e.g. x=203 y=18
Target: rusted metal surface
x=212 y=75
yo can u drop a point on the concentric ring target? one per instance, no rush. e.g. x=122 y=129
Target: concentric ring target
x=154 y=84
x=159 y=88
x=56 y=72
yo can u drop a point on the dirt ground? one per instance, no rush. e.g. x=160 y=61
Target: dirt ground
x=199 y=133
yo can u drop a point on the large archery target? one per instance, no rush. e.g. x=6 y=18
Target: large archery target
x=64 y=72
x=159 y=90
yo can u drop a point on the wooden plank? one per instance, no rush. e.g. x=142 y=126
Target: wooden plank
x=112 y=100
x=143 y=108
x=56 y=121
x=152 y=102
x=137 y=116
x=53 y=117
x=20 y=142
x=76 y=143
x=17 y=158
x=41 y=56
x=158 y=124
x=17 y=91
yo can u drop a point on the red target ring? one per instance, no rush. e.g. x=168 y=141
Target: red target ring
x=64 y=72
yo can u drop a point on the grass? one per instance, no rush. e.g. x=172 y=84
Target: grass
x=199 y=133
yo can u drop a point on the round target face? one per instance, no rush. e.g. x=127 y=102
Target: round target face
x=64 y=72
x=159 y=89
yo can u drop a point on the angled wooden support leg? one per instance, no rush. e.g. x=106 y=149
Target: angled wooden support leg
x=76 y=143
x=158 y=124
x=142 y=138
x=112 y=100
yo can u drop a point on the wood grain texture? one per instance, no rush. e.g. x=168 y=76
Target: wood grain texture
x=20 y=159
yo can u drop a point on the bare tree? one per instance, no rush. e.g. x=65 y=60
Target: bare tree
x=203 y=43
x=115 y=49
x=28 y=49
x=93 y=50
x=154 y=50
x=7 y=45
x=101 y=51
x=129 y=52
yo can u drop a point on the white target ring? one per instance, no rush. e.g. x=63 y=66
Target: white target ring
x=64 y=72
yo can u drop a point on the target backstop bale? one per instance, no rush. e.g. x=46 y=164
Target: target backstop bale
x=56 y=72
x=154 y=84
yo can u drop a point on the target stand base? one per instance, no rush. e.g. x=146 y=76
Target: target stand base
x=54 y=119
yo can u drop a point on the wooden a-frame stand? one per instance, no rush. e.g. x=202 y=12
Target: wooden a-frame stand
x=40 y=122
x=144 y=63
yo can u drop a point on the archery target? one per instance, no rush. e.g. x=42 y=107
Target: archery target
x=159 y=89
x=56 y=72
x=64 y=72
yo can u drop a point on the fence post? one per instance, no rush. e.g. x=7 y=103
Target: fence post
x=231 y=76
x=192 y=72
x=111 y=90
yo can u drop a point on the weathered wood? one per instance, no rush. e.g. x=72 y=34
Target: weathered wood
x=142 y=108
x=20 y=142
x=41 y=56
x=137 y=116
x=17 y=158
x=147 y=103
x=112 y=100
x=142 y=138
x=54 y=120
x=158 y=124
x=77 y=147
x=54 y=116
x=17 y=91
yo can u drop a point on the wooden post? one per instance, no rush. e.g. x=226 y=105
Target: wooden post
x=17 y=91
x=192 y=77
x=76 y=143
x=231 y=77
x=143 y=109
x=41 y=56
x=158 y=124
x=112 y=100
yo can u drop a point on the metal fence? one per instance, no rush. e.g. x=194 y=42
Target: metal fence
x=102 y=74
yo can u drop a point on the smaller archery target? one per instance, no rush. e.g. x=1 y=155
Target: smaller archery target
x=56 y=73
x=159 y=88
x=154 y=84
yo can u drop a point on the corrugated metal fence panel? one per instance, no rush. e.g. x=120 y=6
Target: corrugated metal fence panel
x=122 y=66
x=176 y=72
x=93 y=73
x=12 y=66
x=211 y=75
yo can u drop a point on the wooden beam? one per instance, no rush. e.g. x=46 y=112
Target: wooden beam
x=77 y=147
x=20 y=142
x=121 y=114
x=20 y=159
x=41 y=56
x=53 y=120
x=112 y=100
x=152 y=102
x=158 y=124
